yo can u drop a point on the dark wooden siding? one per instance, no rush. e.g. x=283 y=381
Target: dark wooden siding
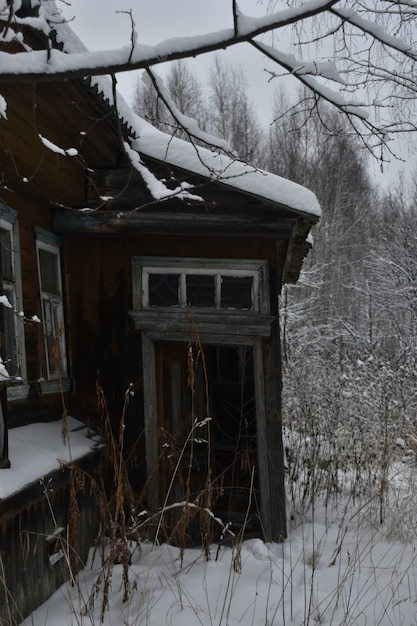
x=34 y=180
x=28 y=522
x=100 y=296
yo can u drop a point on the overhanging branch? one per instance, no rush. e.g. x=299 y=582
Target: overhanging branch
x=27 y=67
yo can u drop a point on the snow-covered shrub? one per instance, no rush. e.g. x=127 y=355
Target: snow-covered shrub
x=346 y=421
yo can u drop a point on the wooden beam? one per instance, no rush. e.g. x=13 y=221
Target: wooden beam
x=230 y=325
x=164 y=222
x=151 y=422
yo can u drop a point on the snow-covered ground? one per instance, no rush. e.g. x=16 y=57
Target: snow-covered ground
x=340 y=565
x=338 y=568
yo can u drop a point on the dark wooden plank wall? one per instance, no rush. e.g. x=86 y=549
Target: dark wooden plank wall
x=27 y=576
x=100 y=296
x=59 y=112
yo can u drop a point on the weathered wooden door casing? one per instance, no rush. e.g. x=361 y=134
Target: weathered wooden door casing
x=206 y=448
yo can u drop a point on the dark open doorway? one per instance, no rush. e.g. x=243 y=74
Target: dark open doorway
x=195 y=383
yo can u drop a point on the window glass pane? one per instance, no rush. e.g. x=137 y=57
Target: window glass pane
x=163 y=289
x=201 y=290
x=6 y=268
x=49 y=337
x=236 y=292
x=8 y=338
x=48 y=262
x=53 y=330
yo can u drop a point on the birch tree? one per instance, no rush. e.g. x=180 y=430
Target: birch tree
x=322 y=156
x=231 y=114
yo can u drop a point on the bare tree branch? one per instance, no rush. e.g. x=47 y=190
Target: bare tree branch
x=60 y=66
x=369 y=48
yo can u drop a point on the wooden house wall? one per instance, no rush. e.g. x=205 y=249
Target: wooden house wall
x=34 y=210
x=104 y=343
x=27 y=523
x=100 y=295
x=34 y=180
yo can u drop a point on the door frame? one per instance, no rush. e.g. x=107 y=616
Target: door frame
x=150 y=410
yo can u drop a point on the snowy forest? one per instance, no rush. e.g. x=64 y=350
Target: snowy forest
x=348 y=327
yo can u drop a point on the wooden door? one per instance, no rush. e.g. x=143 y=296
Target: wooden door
x=181 y=408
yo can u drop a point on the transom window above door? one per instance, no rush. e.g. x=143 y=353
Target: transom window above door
x=203 y=284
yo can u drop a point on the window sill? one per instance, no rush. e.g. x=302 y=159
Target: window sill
x=46 y=387
x=55 y=386
x=17 y=392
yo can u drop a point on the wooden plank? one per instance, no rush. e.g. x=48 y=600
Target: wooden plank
x=273 y=455
x=233 y=324
x=164 y=223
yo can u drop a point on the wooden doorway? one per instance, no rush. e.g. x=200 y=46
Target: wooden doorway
x=234 y=434
x=194 y=383
x=181 y=401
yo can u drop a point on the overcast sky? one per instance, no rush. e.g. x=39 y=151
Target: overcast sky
x=102 y=24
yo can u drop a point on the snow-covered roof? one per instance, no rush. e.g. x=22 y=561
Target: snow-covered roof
x=150 y=142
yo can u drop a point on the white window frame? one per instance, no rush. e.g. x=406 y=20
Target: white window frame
x=12 y=289
x=143 y=267
x=54 y=325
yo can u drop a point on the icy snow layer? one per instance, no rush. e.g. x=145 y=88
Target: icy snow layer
x=38 y=449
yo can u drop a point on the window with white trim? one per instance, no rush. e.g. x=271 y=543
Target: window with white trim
x=208 y=285
x=12 y=341
x=49 y=270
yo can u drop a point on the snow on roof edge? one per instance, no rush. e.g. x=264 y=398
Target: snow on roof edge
x=151 y=142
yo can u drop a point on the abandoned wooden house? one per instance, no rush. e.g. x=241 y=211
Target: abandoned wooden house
x=155 y=266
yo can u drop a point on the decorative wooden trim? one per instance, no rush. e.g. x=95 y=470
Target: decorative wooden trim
x=230 y=325
x=262 y=441
x=167 y=222
x=8 y=214
x=47 y=237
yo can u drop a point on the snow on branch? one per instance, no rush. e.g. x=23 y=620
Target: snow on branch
x=304 y=72
x=12 y=20
x=3 y=107
x=372 y=41
x=54 y=148
x=376 y=32
x=58 y=65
